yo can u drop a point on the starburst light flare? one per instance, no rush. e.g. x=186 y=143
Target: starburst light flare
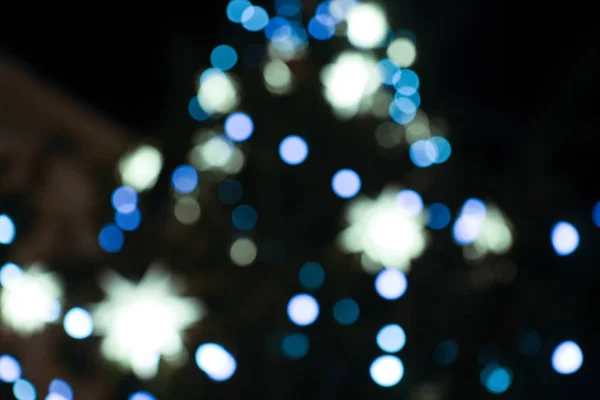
x=385 y=231
x=142 y=322
x=30 y=299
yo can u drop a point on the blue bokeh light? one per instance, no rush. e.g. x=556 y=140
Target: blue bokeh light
x=278 y=26
x=124 y=199
x=406 y=82
x=346 y=311
x=293 y=150
x=223 y=57
x=469 y=224
x=9 y=272
x=445 y=352
x=387 y=70
x=184 y=179
x=244 y=217
x=24 y=390
x=346 y=183
x=61 y=388
x=399 y=116
x=311 y=275
x=295 y=345
x=443 y=149
x=239 y=127
x=196 y=111
x=216 y=362
x=391 y=284
x=235 y=9
x=111 y=238
x=391 y=338
x=410 y=202
x=7 y=229
x=596 y=214
x=128 y=221
x=495 y=378
x=255 y=18
x=320 y=28
x=438 y=216
x=564 y=238
x=141 y=396
x=230 y=191
x=10 y=369
x=408 y=104
x=423 y=153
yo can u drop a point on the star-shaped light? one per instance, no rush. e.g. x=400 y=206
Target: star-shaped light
x=388 y=232
x=142 y=322
x=30 y=298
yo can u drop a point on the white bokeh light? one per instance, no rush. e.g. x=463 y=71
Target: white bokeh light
x=384 y=233
x=367 y=26
x=142 y=322
x=565 y=238
x=303 y=309
x=215 y=361
x=141 y=167
x=387 y=371
x=567 y=358
x=391 y=284
x=351 y=79
x=78 y=323
x=31 y=300
x=218 y=92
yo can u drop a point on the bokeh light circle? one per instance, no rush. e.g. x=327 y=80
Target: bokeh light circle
x=184 y=179
x=254 y=18
x=346 y=183
x=124 y=199
x=7 y=229
x=223 y=57
x=239 y=127
x=391 y=284
x=303 y=309
x=565 y=238
x=567 y=358
x=387 y=371
x=311 y=275
x=10 y=369
x=295 y=345
x=78 y=323
x=141 y=396
x=391 y=338
x=215 y=361
x=293 y=150
x=346 y=311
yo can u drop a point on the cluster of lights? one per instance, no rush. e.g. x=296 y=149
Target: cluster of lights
x=58 y=389
x=388 y=232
